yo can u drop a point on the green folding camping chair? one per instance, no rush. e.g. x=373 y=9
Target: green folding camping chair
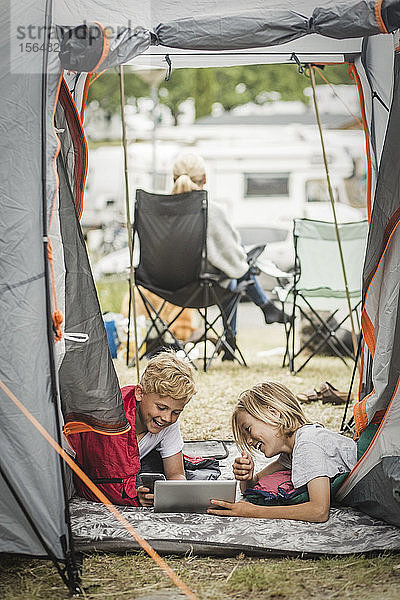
x=318 y=292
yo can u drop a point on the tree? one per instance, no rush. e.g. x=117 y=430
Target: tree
x=178 y=89
x=106 y=90
x=204 y=91
x=230 y=86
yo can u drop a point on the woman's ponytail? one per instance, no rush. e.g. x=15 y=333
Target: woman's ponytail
x=189 y=173
x=183 y=183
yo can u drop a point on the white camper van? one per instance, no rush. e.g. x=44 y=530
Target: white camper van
x=264 y=176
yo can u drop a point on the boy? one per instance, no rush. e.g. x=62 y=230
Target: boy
x=165 y=388
x=152 y=409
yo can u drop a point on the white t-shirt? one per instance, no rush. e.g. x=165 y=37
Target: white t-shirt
x=319 y=452
x=168 y=441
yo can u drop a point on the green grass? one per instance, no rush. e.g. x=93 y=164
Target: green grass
x=111 y=292
x=132 y=576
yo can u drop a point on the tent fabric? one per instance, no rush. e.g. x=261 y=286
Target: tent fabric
x=90 y=393
x=25 y=359
x=374 y=484
x=277 y=25
x=92 y=47
x=89 y=386
x=378 y=88
x=129 y=15
x=381 y=282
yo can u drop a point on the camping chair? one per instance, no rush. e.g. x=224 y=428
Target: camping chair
x=318 y=290
x=170 y=232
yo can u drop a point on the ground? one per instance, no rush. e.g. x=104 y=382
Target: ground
x=135 y=576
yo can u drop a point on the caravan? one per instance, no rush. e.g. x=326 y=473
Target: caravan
x=264 y=175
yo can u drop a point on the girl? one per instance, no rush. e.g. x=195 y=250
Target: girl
x=268 y=418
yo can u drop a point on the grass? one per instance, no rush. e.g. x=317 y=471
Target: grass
x=135 y=576
x=111 y=292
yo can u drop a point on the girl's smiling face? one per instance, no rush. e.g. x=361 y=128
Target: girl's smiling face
x=262 y=436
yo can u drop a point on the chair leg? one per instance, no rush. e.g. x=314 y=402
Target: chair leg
x=292 y=357
x=327 y=332
x=161 y=327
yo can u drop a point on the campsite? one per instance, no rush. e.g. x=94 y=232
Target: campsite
x=58 y=378
x=109 y=575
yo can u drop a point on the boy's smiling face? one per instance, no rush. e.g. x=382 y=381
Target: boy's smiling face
x=155 y=412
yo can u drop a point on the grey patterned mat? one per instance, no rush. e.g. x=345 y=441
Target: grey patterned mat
x=346 y=532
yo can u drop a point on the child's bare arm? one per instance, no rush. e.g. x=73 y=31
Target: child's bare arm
x=316 y=510
x=173 y=466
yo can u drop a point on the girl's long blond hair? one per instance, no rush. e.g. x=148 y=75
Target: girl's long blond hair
x=286 y=414
x=189 y=173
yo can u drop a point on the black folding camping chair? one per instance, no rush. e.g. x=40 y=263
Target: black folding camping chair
x=170 y=232
x=318 y=291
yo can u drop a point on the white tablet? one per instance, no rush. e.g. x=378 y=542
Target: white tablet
x=191 y=496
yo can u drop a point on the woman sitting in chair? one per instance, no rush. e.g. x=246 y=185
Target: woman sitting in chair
x=224 y=248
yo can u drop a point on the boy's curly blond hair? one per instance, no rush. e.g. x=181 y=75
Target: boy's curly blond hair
x=168 y=375
x=258 y=402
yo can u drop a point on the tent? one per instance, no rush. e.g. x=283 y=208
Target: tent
x=54 y=356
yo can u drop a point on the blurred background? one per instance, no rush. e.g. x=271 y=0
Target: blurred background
x=255 y=127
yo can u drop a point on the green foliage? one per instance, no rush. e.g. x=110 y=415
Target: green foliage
x=179 y=87
x=205 y=86
x=230 y=86
x=106 y=90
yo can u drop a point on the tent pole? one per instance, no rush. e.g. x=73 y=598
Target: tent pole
x=332 y=200
x=129 y=228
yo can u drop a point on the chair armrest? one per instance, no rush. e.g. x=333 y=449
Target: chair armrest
x=254 y=253
x=268 y=267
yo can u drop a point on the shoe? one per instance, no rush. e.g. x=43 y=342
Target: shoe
x=311 y=396
x=330 y=394
x=272 y=314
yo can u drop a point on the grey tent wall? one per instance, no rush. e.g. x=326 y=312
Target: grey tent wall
x=26 y=458
x=377 y=86
x=374 y=484
x=26 y=359
x=385 y=219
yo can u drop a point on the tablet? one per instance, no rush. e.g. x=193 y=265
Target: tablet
x=191 y=496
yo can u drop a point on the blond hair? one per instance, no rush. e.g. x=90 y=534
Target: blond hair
x=168 y=375
x=189 y=173
x=286 y=414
